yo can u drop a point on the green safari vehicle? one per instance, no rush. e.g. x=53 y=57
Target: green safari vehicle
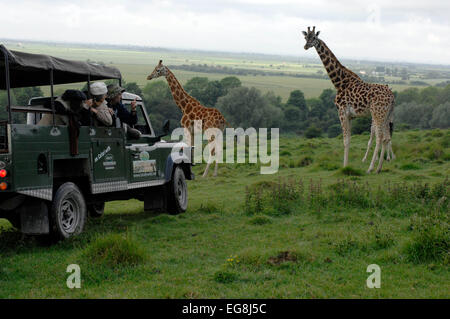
x=46 y=189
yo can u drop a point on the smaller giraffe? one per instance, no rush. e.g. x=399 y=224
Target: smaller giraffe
x=192 y=110
x=389 y=152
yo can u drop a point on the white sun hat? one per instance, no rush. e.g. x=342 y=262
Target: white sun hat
x=98 y=88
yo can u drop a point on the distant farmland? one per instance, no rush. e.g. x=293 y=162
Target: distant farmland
x=136 y=65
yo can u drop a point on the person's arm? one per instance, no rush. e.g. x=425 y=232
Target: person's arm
x=103 y=115
x=126 y=116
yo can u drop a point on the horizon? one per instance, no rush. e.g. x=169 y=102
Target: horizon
x=122 y=46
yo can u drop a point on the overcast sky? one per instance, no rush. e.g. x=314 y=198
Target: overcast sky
x=387 y=30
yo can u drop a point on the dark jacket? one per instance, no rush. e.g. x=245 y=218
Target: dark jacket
x=123 y=114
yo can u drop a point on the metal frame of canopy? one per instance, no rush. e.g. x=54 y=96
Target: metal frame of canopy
x=49 y=65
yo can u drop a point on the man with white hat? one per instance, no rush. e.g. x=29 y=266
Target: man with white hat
x=99 y=107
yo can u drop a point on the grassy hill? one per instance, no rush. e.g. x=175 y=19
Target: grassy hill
x=136 y=64
x=309 y=231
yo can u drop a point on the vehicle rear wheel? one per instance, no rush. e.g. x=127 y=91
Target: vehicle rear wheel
x=177 y=196
x=68 y=212
x=96 y=209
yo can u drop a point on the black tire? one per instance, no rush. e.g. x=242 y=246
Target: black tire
x=96 y=210
x=68 y=212
x=176 y=193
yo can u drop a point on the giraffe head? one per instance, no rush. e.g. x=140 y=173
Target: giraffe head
x=160 y=70
x=311 y=37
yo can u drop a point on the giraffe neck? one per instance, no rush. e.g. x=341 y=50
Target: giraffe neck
x=178 y=93
x=339 y=75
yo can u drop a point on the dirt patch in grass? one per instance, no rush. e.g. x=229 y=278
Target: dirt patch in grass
x=283 y=257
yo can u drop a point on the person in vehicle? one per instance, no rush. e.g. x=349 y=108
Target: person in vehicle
x=72 y=109
x=120 y=112
x=71 y=102
x=102 y=115
x=114 y=99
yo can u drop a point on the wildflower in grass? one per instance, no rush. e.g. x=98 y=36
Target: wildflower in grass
x=232 y=261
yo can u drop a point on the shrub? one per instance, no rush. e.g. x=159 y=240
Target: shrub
x=260 y=220
x=350 y=171
x=431 y=240
x=305 y=161
x=361 y=124
x=334 y=130
x=409 y=166
x=225 y=277
x=208 y=208
x=114 y=250
x=382 y=239
x=313 y=132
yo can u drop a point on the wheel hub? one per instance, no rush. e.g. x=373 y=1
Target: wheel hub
x=69 y=215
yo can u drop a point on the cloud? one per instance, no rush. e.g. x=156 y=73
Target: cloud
x=412 y=31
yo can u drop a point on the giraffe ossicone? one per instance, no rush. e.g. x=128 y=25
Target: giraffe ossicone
x=356 y=98
x=193 y=112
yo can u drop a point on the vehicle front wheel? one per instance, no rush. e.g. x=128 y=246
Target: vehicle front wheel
x=177 y=196
x=96 y=209
x=68 y=212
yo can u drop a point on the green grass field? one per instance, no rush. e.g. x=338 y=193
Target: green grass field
x=309 y=231
x=135 y=66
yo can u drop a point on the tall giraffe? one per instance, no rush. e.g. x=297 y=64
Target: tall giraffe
x=192 y=110
x=355 y=98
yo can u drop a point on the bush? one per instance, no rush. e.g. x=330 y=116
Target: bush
x=225 y=277
x=431 y=240
x=334 y=130
x=114 y=250
x=350 y=171
x=260 y=220
x=361 y=124
x=313 y=132
x=410 y=166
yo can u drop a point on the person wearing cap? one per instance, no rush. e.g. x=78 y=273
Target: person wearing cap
x=102 y=115
x=119 y=110
x=71 y=102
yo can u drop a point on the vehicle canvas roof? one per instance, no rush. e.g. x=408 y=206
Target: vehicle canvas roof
x=28 y=69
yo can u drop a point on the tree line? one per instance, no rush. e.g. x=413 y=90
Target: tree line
x=244 y=107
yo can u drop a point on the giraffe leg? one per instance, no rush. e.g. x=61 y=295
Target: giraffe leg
x=377 y=148
x=216 y=165
x=208 y=164
x=391 y=151
x=380 y=162
x=188 y=136
x=386 y=140
x=347 y=137
x=205 y=173
x=388 y=152
x=369 y=144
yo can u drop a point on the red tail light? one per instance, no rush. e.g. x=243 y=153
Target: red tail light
x=3 y=173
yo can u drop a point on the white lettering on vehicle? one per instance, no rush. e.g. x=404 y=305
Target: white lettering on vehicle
x=102 y=153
